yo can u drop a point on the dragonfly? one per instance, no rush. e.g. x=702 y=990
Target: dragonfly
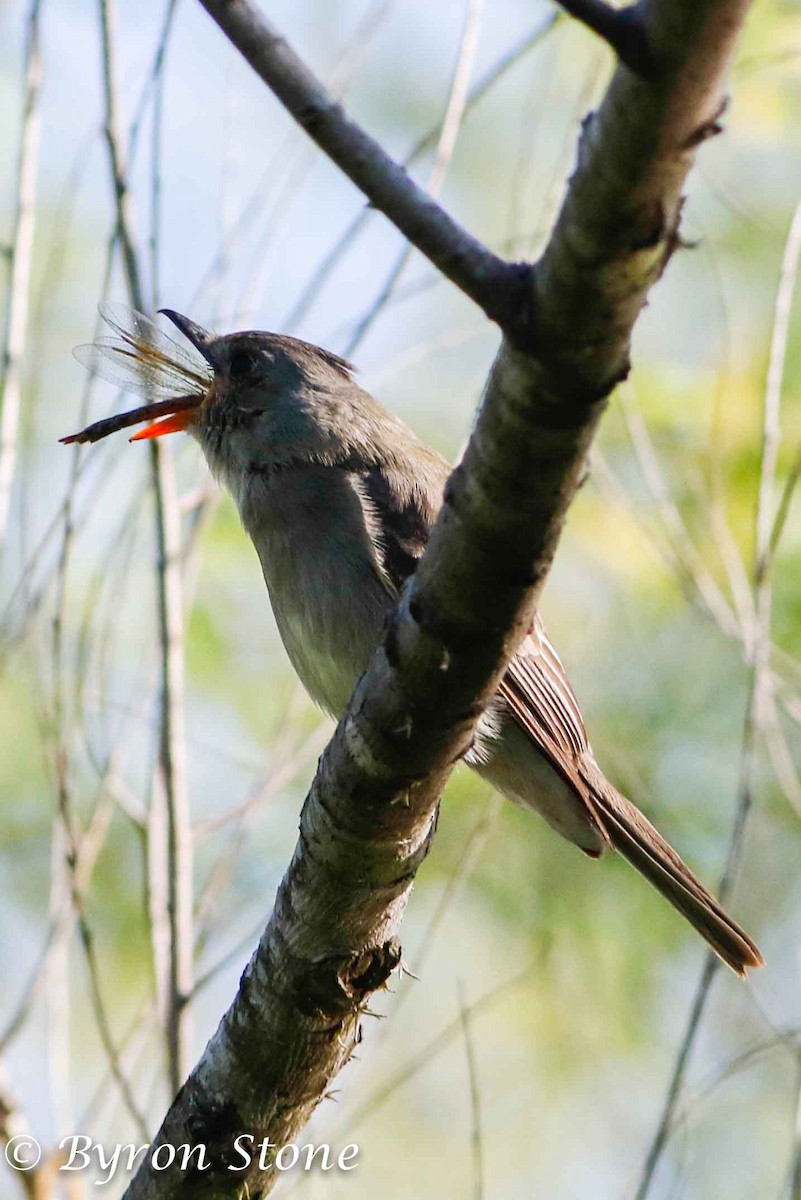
x=141 y=358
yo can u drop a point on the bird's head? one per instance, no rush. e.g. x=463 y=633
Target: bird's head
x=258 y=401
x=271 y=400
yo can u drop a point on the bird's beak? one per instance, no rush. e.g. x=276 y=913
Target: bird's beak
x=203 y=341
x=174 y=423
x=200 y=338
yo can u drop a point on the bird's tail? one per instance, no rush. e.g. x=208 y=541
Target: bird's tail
x=637 y=840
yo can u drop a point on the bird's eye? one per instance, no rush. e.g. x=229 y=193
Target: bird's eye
x=242 y=363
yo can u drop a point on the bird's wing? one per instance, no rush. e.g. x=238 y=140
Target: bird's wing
x=535 y=686
x=402 y=510
x=542 y=701
x=538 y=695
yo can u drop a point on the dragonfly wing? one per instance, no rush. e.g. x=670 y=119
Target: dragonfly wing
x=138 y=330
x=142 y=359
x=124 y=367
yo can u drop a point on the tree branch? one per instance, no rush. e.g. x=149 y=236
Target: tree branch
x=368 y=820
x=620 y=28
x=496 y=286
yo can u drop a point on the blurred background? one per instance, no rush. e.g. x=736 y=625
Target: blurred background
x=535 y=1052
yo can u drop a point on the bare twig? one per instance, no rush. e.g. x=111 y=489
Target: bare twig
x=476 y=843
x=21 y=257
x=475 y=1100
x=158 y=129
x=667 y=1116
x=770 y=523
x=155 y=74
x=425 y=143
x=102 y=1021
x=687 y=558
x=783 y=508
x=90 y=845
x=453 y=116
x=170 y=781
x=286 y=769
x=87 y=941
x=794 y=1181
x=169 y=788
x=299 y=165
x=781 y=758
x=133 y=1043
x=423 y=1058
x=759 y=688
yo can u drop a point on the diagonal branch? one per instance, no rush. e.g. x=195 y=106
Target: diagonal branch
x=620 y=28
x=495 y=285
x=369 y=818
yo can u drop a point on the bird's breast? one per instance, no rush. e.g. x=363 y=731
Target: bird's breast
x=326 y=586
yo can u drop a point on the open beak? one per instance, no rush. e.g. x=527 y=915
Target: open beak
x=176 y=413
x=174 y=423
x=177 y=422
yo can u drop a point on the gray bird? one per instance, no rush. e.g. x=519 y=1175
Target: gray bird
x=338 y=497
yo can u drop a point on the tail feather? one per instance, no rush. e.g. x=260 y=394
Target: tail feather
x=637 y=840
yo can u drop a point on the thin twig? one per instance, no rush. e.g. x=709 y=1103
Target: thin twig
x=534 y=110
x=453 y=116
x=782 y=761
x=153 y=77
x=20 y=264
x=24 y=604
x=89 y=847
x=759 y=688
x=36 y=1172
x=58 y=999
x=784 y=1039
x=701 y=590
x=783 y=508
x=299 y=163
x=425 y=1056
x=133 y=1043
x=169 y=787
x=102 y=1021
x=472 y=851
x=766 y=518
x=475 y=1100
x=231 y=955
x=220 y=877
x=425 y=143
x=687 y=556
x=794 y=1181
x=72 y=842
x=156 y=155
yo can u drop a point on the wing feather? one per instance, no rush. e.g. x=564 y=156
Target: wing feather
x=539 y=697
